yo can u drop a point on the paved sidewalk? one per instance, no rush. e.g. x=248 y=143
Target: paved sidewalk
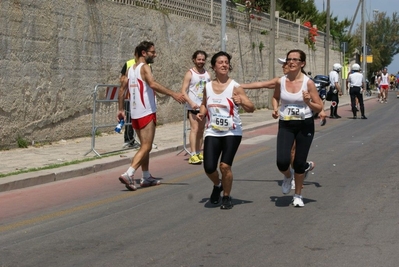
x=168 y=138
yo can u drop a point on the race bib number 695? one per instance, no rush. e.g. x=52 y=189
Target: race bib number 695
x=221 y=123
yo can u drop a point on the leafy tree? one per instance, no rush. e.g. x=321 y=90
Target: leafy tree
x=382 y=33
x=305 y=10
x=382 y=36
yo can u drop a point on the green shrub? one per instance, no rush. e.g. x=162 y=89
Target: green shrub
x=21 y=142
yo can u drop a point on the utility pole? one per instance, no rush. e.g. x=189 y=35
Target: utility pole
x=354 y=16
x=223 y=33
x=327 y=40
x=364 y=52
x=272 y=45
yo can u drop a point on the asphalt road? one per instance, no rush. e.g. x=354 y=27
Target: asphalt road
x=350 y=216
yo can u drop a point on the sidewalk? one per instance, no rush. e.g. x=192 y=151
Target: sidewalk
x=168 y=138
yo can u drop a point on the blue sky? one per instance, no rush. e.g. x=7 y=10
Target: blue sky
x=347 y=8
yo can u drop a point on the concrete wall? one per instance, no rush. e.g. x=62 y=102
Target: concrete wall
x=54 y=52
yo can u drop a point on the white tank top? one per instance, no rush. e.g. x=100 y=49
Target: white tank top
x=196 y=87
x=222 y=117
x=292 y=105
x=142 y=96
x=384 y=79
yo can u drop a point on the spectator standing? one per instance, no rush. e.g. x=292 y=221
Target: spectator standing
x=355 y=81
x=129 y=132
x=336 y=89
x=193 y=89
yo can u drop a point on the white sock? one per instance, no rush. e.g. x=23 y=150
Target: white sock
x=146 y=174
x=130 y=171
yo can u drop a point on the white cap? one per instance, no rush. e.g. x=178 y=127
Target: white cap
x=281 y=60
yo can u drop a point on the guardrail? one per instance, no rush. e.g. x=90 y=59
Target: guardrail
x=105 y=108
x=210 y=11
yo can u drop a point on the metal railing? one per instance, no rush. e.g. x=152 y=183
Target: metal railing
x=210 y=11
x=105 y=108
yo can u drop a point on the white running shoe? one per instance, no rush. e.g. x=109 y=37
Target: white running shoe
x=128 y=181
x=286 y=185
x=297 y=201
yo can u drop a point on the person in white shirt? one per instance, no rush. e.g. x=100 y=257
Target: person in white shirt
x=336 y=88
x=142 y=88
x=299 y=100
x=384 y=85
x=193 y=89
x=223 y=130
x=355 y=80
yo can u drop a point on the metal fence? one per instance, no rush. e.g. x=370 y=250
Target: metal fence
x=105 y=108
x=210 y=11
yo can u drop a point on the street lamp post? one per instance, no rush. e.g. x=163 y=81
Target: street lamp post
x=272 y=44
x=223 y=33
x=364 y=61
x=327 y=40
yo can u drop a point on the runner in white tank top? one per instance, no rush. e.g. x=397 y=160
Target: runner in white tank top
x=193 y=89
x=222 y=116
x=196 y=88
x=223 y=135
x=142 y=85
x=292 y=105
x=143 y=100
x=299 y=99
x=384 y=85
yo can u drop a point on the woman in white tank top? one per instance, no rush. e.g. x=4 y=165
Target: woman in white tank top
x=299 y=100
x=222 y=98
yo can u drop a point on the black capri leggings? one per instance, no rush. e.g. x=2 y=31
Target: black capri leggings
x=214 y=146
x=302 y=133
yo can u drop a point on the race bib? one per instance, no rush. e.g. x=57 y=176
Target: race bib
x=221 y=123
x=200 y=96
x=293 y=112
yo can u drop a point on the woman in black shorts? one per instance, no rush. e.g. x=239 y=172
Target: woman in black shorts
x=220 y=105
x=299 y=100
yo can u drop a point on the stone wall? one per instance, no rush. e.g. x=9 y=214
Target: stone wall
x=53 y=53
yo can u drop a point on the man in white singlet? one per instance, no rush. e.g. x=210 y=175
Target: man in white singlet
x=193 y=89
x=384 y=85
x=142 y=88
